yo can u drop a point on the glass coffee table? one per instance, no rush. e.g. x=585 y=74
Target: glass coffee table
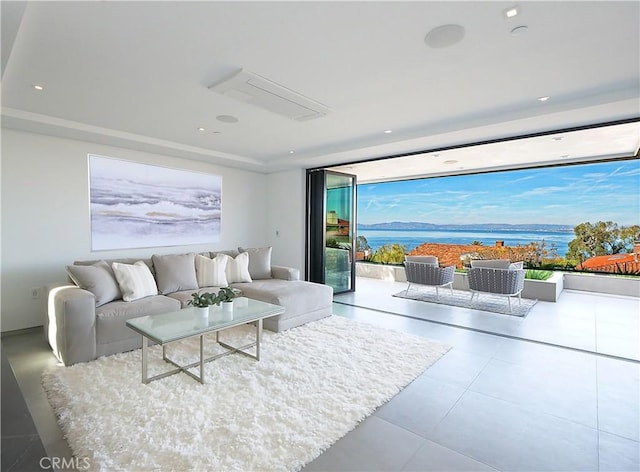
x=187 y=323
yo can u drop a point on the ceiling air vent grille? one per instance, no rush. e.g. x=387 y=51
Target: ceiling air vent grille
x=260 y=92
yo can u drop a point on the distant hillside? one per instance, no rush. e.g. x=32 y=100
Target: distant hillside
x=415 y=225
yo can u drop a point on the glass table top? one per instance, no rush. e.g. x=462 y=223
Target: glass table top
x=181 y=324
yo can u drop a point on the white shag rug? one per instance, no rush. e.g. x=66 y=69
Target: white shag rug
x=312 y=386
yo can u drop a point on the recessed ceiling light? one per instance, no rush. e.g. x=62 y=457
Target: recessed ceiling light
x=444 y=36
x=227 y=118
x=388 y=131
x=292 y=152
x=38 y=87
x=543 y=99
x=451 y=161
x=201 y=129
x=217 y=132
x=511 y=12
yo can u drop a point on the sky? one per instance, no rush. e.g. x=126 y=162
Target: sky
x=567 y=195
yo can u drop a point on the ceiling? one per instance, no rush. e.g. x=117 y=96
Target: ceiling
x=615 y=141
x=137 y=75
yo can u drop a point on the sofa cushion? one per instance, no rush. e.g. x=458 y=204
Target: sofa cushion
x=135 y=280
x=175 y=272
x=238 y=268
x=211 y=272
x=98 y=279
x=259 y=262
x=433 y=260
x=491 y=263
x=297 y=296
x=111 y=318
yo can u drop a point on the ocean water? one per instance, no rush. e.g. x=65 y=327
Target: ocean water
x=413 y=238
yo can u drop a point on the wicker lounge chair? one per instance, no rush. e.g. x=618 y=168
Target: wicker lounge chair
x=507 y=282
x=428 y=273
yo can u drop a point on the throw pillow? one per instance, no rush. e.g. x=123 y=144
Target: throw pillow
x=238 y=268
x=97 y=279
x=175 y=272
x=135 y=280
x=259 y=262
x=211 y=272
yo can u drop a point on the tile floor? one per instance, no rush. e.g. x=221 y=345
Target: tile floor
x=494 y=402
x=498 y=403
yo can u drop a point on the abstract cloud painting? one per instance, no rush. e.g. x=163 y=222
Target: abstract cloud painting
x=136 y=205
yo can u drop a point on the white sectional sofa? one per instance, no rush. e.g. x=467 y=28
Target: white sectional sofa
x=86 y=320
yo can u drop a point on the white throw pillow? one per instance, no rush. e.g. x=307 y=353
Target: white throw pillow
x=238 y=268
x=211 y=272
x=135 y=280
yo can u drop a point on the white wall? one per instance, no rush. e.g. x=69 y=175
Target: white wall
x=45 y=215
x=286 y=221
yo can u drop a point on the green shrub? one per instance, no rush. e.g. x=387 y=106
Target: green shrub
x=538 y=274
x=390 y=254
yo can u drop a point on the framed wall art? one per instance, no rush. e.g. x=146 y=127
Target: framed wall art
x=136 y=205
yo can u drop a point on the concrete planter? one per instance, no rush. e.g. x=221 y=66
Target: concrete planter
x=377 y=271
x=546 y=290
x=460 y=281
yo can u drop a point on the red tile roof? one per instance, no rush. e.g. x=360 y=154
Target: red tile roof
x=447 y=254
x=612 y=263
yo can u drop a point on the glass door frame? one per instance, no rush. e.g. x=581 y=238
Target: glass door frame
x=316 y=215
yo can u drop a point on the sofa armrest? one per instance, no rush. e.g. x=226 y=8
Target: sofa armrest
x=71 y=324
x=285 y=273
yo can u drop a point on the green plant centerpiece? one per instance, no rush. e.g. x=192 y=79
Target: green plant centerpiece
x=225 y=294
x=202 y=300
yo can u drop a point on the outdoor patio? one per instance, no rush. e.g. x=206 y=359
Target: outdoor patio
x=586 y=321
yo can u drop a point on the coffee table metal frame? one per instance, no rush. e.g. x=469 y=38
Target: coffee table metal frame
x=188 y=316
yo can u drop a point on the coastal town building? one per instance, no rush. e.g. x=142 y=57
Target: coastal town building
x=614 y=263
x=457 y=254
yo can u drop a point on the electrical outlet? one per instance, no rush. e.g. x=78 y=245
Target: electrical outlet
x=36 y=292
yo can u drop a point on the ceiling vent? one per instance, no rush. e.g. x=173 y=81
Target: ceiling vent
x=260 y=92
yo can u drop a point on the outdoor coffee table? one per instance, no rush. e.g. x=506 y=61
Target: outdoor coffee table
x=187 y=323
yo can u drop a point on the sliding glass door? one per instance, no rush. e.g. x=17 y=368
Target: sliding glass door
x=331 y=216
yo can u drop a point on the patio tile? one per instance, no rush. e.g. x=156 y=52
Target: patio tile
x=509 y=437
x=619 y=398
x=627 y=347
